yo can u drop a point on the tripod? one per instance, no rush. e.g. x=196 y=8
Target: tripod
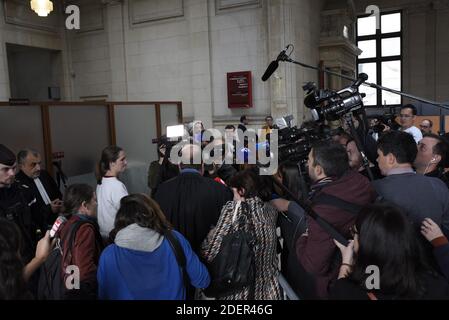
x=60 y=176
x=350 y=123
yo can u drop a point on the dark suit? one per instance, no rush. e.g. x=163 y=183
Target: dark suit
x=192 y=204
x=45 y=215
x=18 y=205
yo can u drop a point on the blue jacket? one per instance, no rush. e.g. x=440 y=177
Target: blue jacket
x=126 y=274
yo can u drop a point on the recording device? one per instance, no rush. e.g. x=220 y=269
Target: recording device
x=275 y=63
x=330 y=105
x=296 y=143
x=383 y=120
x=174 y=134
x=57 y=225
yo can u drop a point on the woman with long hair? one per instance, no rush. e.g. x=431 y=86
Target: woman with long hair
x=14 y=275
x=260 y=222
x=141 y=263
x=385 y=260
x=291 y=220
x=110 y=189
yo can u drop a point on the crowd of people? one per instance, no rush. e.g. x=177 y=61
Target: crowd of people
x=109 y=244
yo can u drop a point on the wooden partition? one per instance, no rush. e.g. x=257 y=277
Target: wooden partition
x=435 y=119
x=80 y=129
x=446 y=123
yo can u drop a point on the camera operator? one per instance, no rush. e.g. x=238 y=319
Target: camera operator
x=162 y=169
x=219 y=170
x=377 y=126
x=17 y=204
x=354 y=155
x=329 y=171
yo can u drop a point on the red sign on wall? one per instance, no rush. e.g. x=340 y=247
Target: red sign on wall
x=240 y=93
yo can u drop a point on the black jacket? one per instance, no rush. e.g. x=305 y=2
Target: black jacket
x=45 y=215
x=345 y=289
x=19 y=205
x=192 y=204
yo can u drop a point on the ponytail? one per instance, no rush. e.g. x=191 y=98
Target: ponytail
x=108 y=155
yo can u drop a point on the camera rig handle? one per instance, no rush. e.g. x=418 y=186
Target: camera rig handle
x=368 y=84
x=355 y=135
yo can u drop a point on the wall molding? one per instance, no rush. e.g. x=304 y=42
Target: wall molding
x=95 y=19
x=168 y=9
x=224 y=6
x=19 y=13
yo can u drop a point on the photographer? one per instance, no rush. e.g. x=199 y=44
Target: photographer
x=377 y=126
x=162 y=169
x=355 y=157
x=218 y=170
x=330 y=174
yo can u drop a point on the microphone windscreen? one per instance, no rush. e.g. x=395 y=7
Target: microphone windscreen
x=271 y=68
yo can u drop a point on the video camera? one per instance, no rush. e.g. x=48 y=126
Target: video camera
x=383 y=120
x=295 y=143
x=173 y=136
x=330 y=105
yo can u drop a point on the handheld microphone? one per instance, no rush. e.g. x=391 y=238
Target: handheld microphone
x=57 y=225
x=274 y=65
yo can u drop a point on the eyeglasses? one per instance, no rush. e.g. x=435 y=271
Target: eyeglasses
x=405 y=116
x=353 y=231
x=424 y=127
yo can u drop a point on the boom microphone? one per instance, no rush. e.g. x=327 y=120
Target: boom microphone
x=274 y=65
x=361 y=78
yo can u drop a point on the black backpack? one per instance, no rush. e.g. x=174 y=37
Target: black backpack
x=52 y=276
x=233 y=267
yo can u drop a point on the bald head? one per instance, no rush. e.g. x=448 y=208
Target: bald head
x=426 y=126
x=191 y=157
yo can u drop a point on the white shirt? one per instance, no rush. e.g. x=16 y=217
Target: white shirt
x=109 y=194
x=415 y=132
x=42 y=191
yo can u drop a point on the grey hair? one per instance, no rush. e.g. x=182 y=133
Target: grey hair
x=21 y=156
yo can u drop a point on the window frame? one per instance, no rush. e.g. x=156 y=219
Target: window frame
x=378 y=59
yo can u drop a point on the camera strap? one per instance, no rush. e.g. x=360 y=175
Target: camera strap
x=330 y=200
x=306 y=205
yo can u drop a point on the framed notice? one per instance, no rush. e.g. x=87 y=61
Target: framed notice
x=240 y=93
